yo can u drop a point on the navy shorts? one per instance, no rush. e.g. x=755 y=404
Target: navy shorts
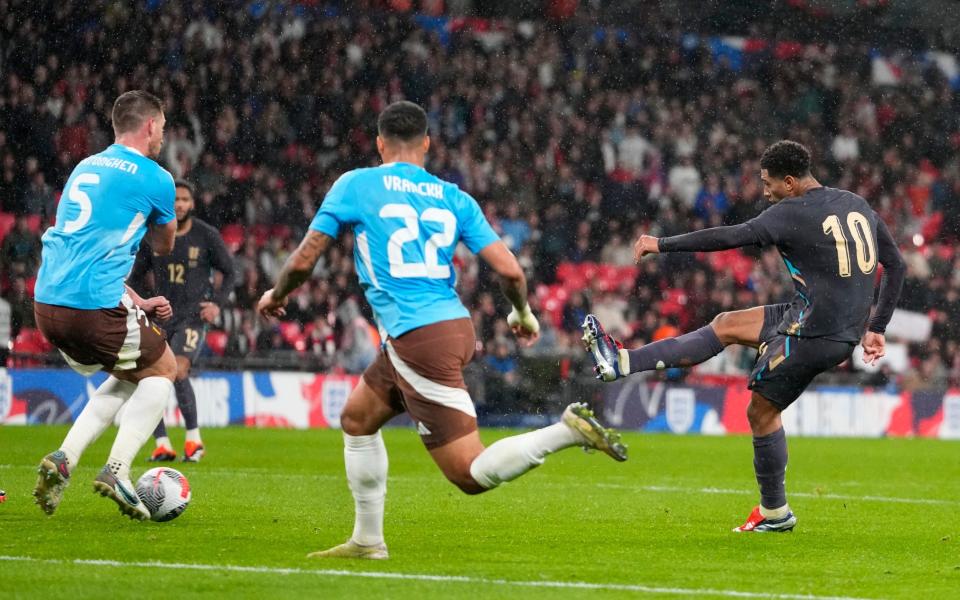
x=786 y=364
x=186 y=338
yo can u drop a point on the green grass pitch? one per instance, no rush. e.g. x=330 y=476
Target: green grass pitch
x=877 y=519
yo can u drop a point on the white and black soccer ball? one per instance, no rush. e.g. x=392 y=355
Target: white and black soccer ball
x=165 y=492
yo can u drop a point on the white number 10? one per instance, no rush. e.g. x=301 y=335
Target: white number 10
x=430 y=267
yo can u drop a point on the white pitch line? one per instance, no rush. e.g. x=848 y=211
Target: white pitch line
x=579 y=585
x=619 y=486
x=712 y=490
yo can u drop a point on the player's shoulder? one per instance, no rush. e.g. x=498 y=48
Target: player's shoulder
x=204 y=228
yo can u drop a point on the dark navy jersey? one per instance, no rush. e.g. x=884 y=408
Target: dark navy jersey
x=184 y=276
x=831 y=242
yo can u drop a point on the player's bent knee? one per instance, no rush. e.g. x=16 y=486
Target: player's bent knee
x=722 y=325
x=465 y=482
x=354 y=422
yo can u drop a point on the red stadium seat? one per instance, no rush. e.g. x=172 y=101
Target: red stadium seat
x=290 y=331
x=31 y=285
x=33 y=223
x=6 y=224
x=217 y=341
x=233 y=236
x=30 y=341
x=261 y=235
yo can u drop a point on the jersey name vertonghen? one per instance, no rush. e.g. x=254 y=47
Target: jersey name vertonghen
x=407 y=224
x=107 y=204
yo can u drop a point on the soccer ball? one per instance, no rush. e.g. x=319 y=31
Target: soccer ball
x=165 y=492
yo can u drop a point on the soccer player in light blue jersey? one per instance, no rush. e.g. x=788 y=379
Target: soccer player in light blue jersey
x=407 y=224
x=111 y=201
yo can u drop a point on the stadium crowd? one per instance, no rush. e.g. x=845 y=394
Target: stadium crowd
x=574 y=139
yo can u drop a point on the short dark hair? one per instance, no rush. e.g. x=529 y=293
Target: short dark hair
x=183 y=183
x=786 y=157
x=403 y=121
x=132 y=108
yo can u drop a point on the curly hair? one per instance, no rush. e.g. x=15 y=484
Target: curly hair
x=786 y=157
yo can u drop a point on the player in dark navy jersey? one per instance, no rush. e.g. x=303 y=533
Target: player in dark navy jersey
x=831 y=242
x=184 y=278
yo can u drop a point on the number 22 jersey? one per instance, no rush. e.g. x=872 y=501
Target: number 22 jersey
x=107 y=204
x=407 y=223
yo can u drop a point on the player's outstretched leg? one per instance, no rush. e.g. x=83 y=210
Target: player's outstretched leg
x=613 y=361
x=511 y=457
x=96 y=416
x=773 y=514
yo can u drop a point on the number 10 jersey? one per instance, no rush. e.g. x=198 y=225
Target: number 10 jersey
x=407 y=223
x=107 y=204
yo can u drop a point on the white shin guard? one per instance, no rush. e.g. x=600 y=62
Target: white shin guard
x=365 y=458
x=511 y=457
x=95 y=417
x=139 y=419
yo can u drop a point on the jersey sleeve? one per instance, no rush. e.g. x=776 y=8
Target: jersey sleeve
x=161 y=200
x=338 y=208
x=475 y=231
x=768 y=225
x=221 y=260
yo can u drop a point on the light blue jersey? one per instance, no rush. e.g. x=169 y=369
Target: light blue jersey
x=106 y=206
x=407 y=224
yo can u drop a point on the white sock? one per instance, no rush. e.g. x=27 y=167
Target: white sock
x=164 y=442
x=95 y=417
x=193 y=435
x=139 y=419
x=365 y=458
x=774 y=513
x=511 y=457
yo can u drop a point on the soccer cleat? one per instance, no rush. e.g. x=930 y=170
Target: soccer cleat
x=162 y=454
x=193 y=451
x=351 y=549
x=53 y=479
x=610 y=359
x=756 y=522
x=122 y=492
x=582 y=420
x=3 y=496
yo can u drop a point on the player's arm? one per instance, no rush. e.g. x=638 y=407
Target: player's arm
x=894 y=272
x=295 y=271
x=705 y=240
x=513 y=283
x=220 y=260
x=161 y=237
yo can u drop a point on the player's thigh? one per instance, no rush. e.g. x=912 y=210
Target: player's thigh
x=164 y=366
x=368 y=408
x=744 y=327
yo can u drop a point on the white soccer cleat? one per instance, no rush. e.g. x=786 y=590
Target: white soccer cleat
x=351 y=549
x=122 y=492
x=594 y=435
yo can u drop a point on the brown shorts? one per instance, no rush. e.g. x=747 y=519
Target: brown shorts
x=108 y=339
x=421 y=372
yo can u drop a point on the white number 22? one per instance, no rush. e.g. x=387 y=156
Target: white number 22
x=430 y=267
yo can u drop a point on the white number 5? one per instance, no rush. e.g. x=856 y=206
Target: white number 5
x=431 y=267
x=75 y=194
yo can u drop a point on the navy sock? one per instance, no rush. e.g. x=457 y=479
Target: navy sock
x=770 y=464
x=161 y=430
x=187 y=401
x=682 y=351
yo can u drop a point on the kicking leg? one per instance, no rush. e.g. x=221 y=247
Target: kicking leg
x=139 y=419
x=475 y=469
x=365 y=460
x=95 y=417
x=613 y=361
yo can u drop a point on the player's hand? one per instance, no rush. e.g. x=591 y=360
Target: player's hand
x=157 y=307
x=647 y=244
x=874 y=346
x=209 y=312
x=268 y=306
x=524 y=325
